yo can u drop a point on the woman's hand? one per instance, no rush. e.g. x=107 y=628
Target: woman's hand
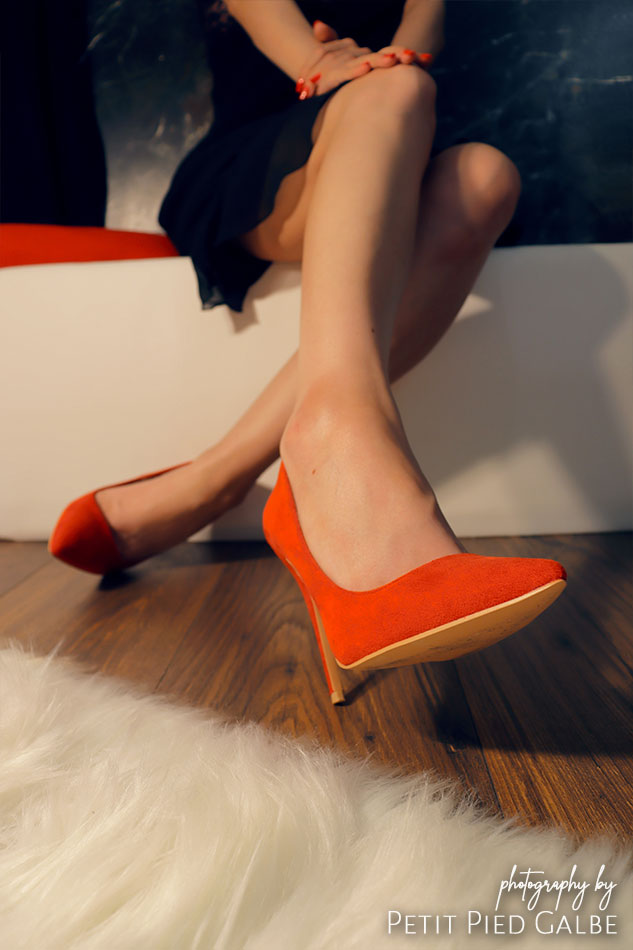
x=390 y=55
x=336 y=62
x=342 y=60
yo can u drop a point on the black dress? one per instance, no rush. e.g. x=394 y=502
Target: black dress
x=260 y=133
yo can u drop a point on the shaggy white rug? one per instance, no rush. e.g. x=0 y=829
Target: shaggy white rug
x=129 y=823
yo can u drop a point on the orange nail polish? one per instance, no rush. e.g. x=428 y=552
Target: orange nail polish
x=426 y=57
x=390 y=55
x=299 y=84
x=303 y=95
x=315 y=78
x=409 y=52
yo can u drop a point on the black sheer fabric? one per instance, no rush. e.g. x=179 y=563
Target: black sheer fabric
x=261 y=132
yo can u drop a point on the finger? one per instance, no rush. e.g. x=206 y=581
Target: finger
x=302 y=88
x=345 y=43
x=323 y=32
x=360 y=68
x=372 y=61
x=390 y=55
x=308 y=87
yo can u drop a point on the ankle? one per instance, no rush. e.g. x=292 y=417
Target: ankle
x=342 y=434
x=328 y=412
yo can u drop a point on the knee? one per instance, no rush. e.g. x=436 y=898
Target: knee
x=485 y=186
x=400 y=89
x=493 y=180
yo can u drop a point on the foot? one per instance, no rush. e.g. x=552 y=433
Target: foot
x=152 y=515
x=367 y=512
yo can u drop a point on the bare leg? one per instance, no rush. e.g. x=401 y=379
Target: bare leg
x=466 y=201
x=367 y=511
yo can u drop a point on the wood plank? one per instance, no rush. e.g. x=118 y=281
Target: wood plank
x=551 y=704
x=538 y=726
x=128 y=626
x=18 y=560
x=251 y=653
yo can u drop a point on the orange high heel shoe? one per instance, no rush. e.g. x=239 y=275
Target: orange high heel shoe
x=448 y=607
x=84 y=539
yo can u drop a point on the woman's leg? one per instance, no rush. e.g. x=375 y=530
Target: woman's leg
x=367 y=511
x=467 y=198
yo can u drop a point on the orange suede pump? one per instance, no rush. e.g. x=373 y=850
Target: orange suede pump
x=445 y=608
x=83 y=538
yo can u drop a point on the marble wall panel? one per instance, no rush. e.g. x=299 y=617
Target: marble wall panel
x=547 y=81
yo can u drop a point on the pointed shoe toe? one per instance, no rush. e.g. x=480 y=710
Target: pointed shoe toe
x=82 y=537
x=441 y=610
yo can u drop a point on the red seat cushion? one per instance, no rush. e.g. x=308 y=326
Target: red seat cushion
x=54 y=244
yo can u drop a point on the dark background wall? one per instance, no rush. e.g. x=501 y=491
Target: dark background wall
x=52 y=164
x=547 y=81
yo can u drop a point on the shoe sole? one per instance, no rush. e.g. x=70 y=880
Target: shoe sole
x=448 y=641
x=459 y=637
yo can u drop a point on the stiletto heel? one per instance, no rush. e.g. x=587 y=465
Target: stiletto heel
x=330 y=668
x=83 y=538
x=447 y=607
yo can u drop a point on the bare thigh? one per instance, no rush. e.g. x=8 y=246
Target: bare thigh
x=279 y=237
x=455 y=178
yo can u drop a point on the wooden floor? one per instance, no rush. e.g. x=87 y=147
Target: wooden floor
x=539 y=725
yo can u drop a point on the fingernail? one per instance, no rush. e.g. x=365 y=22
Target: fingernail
x=426 y=57
x=303 y=95
x=317 y=21
x=315 y=78
x=390 y=55
x=299 y=84
x=409 y=52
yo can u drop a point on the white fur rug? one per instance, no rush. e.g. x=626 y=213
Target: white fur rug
x=129 y=823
